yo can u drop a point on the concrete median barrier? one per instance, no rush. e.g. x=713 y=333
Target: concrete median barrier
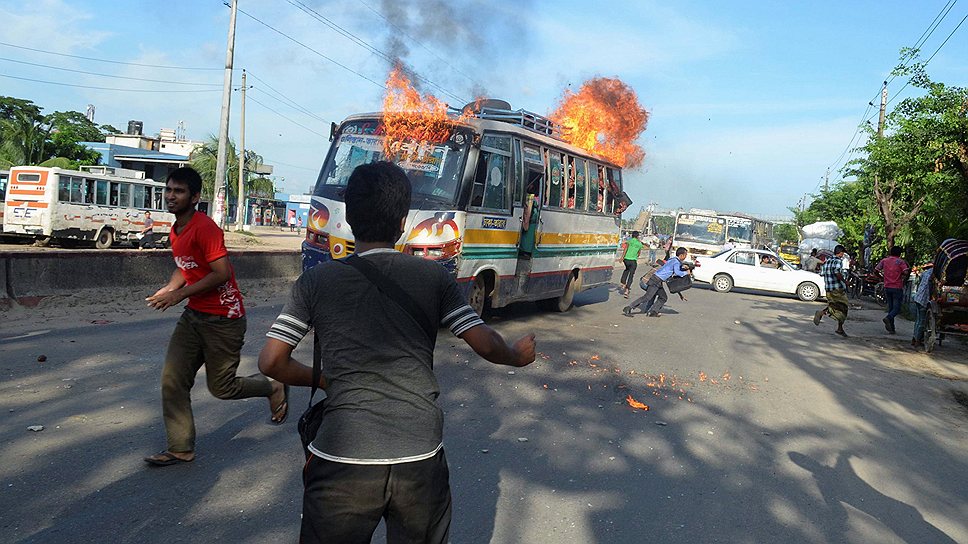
x=28 y=276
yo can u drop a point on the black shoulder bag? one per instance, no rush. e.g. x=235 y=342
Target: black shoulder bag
x=312 y=418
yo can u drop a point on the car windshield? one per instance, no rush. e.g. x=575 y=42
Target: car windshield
x=434 y=169
x=697 y=228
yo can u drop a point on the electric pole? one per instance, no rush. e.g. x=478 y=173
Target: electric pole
x=221 y=176
x=240 y=209
x=880 y=118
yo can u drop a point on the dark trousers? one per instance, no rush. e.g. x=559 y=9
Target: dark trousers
x=148 y=240
x=895 y=298
x=655 y=291
x=629 y=274
x=343 y=503
x=920 y=322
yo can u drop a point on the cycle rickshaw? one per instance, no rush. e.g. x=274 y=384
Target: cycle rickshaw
x=948 y=309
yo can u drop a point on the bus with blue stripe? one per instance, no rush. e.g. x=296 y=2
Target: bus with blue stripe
x=508 y=207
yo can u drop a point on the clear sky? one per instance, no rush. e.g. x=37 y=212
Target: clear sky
x=750 y=102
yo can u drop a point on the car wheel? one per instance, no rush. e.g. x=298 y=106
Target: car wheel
x=722 y=283
x=808 y=292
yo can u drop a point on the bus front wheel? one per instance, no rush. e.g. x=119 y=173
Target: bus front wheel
x=105 y=239
x=478 y=295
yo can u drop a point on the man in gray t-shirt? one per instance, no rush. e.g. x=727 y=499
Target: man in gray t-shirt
x=378 y=453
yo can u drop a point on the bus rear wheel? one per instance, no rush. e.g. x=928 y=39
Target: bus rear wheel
x=105 y=239
x=566 y=300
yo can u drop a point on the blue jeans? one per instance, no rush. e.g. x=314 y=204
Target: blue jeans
x=895 y=298
x=920 y=323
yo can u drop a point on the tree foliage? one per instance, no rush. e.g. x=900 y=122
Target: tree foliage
x=203 y=159
x=912 y=181
x=29 y=137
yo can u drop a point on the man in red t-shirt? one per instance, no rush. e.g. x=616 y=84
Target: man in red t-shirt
x=895 y=271
x=210 y=331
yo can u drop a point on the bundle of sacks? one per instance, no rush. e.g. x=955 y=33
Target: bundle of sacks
x=821 y=236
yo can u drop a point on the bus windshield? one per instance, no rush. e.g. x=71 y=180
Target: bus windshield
x=434 y=169
x=740 y=230
x=701 y=229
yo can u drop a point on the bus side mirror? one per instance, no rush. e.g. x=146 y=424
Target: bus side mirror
x=332 y=131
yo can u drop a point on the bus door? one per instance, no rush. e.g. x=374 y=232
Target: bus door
x=533 y=182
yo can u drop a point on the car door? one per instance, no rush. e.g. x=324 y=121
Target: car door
x=741 y=265
x=771 y=277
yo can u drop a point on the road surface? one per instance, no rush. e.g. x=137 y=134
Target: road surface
x=761 y=427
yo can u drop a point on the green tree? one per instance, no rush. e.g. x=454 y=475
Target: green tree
x=67 y=130
x=786 y=232
x=23 y=131
x=918 y=171
x=203 y=159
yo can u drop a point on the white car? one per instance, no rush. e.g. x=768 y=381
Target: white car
x=757 y=269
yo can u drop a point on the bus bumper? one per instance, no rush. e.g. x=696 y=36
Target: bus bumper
x=312 y=255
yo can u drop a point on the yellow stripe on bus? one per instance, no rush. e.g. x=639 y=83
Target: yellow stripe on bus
x=486 y=236
x=565 y=239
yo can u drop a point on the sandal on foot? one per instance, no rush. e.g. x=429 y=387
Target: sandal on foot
x=166 y=458
x=282 y=408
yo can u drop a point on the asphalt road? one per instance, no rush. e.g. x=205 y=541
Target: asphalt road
x=760 y=428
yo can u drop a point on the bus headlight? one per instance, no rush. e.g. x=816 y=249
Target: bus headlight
x=436 y=252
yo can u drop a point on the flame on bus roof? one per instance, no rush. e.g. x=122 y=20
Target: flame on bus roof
x=605 y=118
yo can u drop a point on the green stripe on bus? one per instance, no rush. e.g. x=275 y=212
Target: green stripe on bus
x=490 y=253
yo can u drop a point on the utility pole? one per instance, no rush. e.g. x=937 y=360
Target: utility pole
x=826 y=177
x=880 y=118
x=221 y=176
x=240 y=209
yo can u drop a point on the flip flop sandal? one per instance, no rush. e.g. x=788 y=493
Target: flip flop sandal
x=282 y=408
x=165 y=458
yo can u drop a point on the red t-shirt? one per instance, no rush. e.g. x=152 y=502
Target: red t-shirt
x=894 y=269
x=198 y=244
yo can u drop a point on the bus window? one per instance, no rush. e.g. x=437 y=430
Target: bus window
x=139 y=196
x=124 y=195
x=595 y=188
x=580 y=175
x=77 y=190
x=64 y=189
x=556 y=177
x=159 y=198
x=519 y=170
x=146 y=203
x=89 y=191
x=114 y=193
x=490 y=184
x=102 y=192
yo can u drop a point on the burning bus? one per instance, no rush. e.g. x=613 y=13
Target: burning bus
x=499 y=198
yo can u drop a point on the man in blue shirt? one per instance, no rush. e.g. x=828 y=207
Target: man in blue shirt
x=672 y=267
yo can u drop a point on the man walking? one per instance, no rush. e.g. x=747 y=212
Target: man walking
x=922 y=298
x=378 y=453
x=633 y=246
x=147 y=233
x=210 y=331
x=895 y=271
x=655 y=289
x=832 y=272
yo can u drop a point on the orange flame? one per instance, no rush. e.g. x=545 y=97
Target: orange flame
x=410 y=116
x=604 y=117
x=636 y=404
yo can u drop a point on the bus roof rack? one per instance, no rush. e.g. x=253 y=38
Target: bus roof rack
x=499 y=110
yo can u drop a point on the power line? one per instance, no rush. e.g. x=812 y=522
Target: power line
x=111 y=88
x=286 y=100
x=287 y=118
x=294 y=40
x=109 y=75
x=267 y=160
x=107 y=60
x=363 y=43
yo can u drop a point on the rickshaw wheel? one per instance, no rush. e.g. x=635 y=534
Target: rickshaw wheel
x=931 y=334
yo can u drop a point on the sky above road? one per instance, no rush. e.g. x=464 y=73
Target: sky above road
x=749 y=102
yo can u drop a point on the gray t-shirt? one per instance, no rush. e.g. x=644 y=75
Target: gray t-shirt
x=381 y=395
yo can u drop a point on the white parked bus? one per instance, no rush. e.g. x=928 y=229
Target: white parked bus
x=700 y=232
x=92 y=205
x=470 y=196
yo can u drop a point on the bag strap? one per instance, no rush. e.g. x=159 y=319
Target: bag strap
x=393 y=291
x=317 y=367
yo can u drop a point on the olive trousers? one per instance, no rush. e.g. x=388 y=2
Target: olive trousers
x=212 y=341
